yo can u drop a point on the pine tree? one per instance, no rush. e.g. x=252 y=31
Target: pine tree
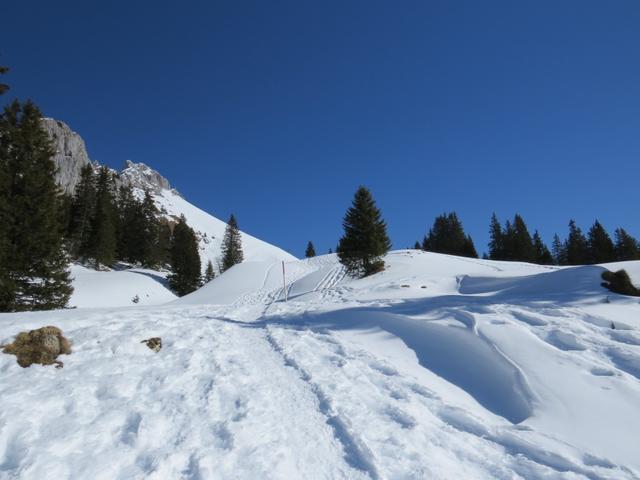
x=310 y=251
x=231 y=245
x=103 y=231
x=185 y=259
x=469 y=249
x=34 y=271
x=149 y=232
x=3 y=86
x=520 y=244
x=542 y=254
x=447 y=236
x=129 y=216
x=496 y=244
x=576 y=246
x=82 y=213
x=209 y=272
x=365 y=238
x=599 y=244
x=559 y=251
x=163 y=244
x=417 y=246
x=626 y=247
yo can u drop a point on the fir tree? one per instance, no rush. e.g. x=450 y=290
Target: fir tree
x=231 y=245
x=576 y=246
x=129 y=216
x=559 y=251
x=209 y=272
x=447 y=236
x=34 y=272
x=469 y=249
x=163 y=244
x=310 y=251
x=417 y=246
x=542 y=254
x=149 y=231
x=496 y=243
x=626 y=247
x=365 y=238
x=599 y=244
x=3 y=87
x=103 y=232
x=83 y=212
x=520 y=246
x=185 y=259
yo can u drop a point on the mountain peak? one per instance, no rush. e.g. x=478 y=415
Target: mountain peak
x=140 y=175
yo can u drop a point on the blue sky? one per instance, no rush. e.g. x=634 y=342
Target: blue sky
x=277 y=111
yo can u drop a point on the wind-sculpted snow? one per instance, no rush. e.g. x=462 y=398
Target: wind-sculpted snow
x=439 y=367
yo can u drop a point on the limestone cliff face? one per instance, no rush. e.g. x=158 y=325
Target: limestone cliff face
x=71 y=155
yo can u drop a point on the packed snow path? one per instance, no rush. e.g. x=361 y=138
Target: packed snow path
x=438 y=368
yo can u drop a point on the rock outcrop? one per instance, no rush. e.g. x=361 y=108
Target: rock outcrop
x=71 y=153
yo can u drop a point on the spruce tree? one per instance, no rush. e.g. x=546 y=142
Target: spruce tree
x=103 y=232
x=209 y=272
x=185 y=259
x=365 y=238
x=542 y=254
x=310 y=251
x=626 y=247
x=576 y=246
x=520 y=244
x=129 y=228
x=231 y=245
x=163 y=244
x=149 y=231
x=496 y=243
x=447 y=236
x=469 y=249
x=559 y=251
x=82 y=213
x=599 y=244
x=3 y=86
x=34 y=263
x=417 y=246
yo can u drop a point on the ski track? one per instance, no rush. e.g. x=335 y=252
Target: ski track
x=235 y=394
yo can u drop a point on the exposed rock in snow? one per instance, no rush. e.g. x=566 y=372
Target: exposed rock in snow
x=141 y=176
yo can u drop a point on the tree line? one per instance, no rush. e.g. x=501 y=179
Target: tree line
x=42 y=229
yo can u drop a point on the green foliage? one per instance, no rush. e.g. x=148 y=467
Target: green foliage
x=185 y=259
x=82 y=213
x=626 y=247
x=209 y=272
x=576 y=247
x=496 y=243
x=447 y=236
x=231 y=245
x=599 y=245
x=310 y=251
x=3 y=86
x=542 y=255
x=103 y=241
x=559 y=251
x=513 y=241
x=619 y=282
x=365 y=238
x=33 y=262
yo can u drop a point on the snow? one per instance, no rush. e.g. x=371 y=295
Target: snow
x=439 y=367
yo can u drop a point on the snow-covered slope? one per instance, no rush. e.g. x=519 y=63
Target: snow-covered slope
x=439 y=367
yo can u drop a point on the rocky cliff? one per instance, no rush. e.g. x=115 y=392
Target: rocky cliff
x=71 y=155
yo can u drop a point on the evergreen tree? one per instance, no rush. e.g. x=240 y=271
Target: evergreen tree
x=559 y=251
x=310 y=251
x=447 y=236
x=365 y=238
x=3 y=87
x=496 y=244
x=149 y=231
x=576 y=246
x=542 y=254
x=103 y=231
x=185 y=259
x=417 y=246
x=231 y=245
x=163 y=244
x=33 y=270
x=209 y=272
x=82 y=213
x=520 y=244
x=626 y=247
x=599 y=244
x=129 y=228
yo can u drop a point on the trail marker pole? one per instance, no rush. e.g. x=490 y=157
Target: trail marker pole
x=284 y=283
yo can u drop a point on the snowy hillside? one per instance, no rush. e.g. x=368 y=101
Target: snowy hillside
x=439 y=367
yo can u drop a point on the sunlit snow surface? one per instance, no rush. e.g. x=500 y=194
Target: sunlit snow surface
x=439 y=367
